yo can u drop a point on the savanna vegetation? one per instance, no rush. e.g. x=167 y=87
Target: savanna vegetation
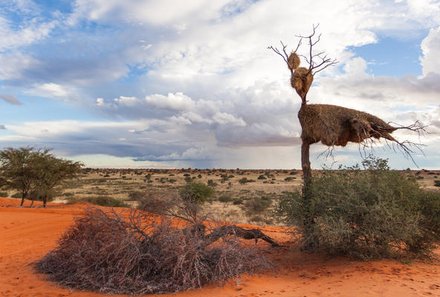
x=35 y=173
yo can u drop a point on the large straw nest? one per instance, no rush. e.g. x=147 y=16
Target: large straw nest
x=293 y=61
x=301 y=81
x=336 y=125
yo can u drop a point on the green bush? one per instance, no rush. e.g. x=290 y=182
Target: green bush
x=257 y=205
x=437 y=183
x=369 y=213
x=196 y=192
x=101 y=200
x=3 y=194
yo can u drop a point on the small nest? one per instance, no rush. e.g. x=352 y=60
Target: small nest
x=301 y=81
x=336 y=125
x=293 y=61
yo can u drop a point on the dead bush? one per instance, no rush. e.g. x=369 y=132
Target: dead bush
x=104 y=252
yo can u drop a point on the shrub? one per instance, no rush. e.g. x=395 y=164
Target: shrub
x=225 y=198
x=238 y=201
x=245 y=180
x=262 y=177
x=369 y=213
x=212 y=183
x=3 y=194
x=196 y=192
x=437 y=183
x=136 y=195
x=105 y=253
x=101 y=200
x=257 y=205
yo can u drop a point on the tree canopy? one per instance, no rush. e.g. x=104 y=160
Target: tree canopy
x=35 y=173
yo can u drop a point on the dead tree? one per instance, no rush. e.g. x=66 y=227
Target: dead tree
x=331 y=125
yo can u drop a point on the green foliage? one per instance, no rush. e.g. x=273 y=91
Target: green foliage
x=17 y=170
x=35 y=172
x=101 y=200
x=368 y=213
x=195 y=192
x=437 y=183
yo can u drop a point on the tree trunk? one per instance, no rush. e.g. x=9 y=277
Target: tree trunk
x=309 y=242
x=44 y=200
x=23 y=195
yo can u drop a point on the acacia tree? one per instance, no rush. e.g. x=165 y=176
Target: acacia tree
x=34 y=172
x=17 y=170
x=52 y=172
x=331 y=125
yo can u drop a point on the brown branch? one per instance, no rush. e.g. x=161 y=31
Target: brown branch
x=232 y=230
x=283 y=54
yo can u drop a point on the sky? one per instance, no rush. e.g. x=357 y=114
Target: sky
x=165 y=84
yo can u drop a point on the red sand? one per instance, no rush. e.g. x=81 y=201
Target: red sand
x=27 y=234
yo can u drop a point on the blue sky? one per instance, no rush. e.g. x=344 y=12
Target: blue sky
x=191 y=84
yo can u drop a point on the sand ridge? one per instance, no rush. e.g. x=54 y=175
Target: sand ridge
x=27 y=234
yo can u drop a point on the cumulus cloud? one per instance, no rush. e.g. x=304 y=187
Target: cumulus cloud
x=431 y=52
x=50 y=90
x=197 y=80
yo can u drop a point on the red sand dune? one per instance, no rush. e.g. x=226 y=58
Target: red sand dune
x=27 y=234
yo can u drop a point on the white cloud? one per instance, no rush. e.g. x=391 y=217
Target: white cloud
x=223 y=118
x=178 y=101
x=51 y=90
x=27 y=34
x=431 y=52
x=15 y=64
x=100 y=101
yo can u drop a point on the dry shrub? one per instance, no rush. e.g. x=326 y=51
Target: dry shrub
x=336 y=125
x=106 y=253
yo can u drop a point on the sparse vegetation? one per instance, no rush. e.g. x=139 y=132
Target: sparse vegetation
x=100 y=200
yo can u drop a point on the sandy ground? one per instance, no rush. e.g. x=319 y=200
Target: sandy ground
x=28 y=234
